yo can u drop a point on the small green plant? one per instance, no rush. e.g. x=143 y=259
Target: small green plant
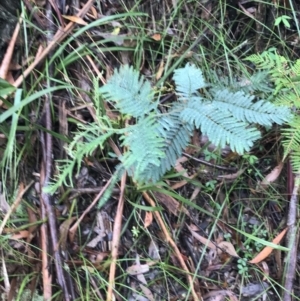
x=284 y=20
x=285 y=76
x=227 y=236
x=153 y=140
x=243 y=267
x=135 y=231
x=248 y=252
x=209 y=155
x=250 y=158
x=260 y=232
x=210 y=185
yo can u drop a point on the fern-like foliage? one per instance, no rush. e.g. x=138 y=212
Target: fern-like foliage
x=145 y=147
x=285 y=76
x=130 y=93
x=86 y=140
x=153 y=140
x=221 y=127
x=276 y=65
x=225 y=119
x=188 y=81
x=176 y=136
x=291 y=142
x=242 y=107
x=257 y=82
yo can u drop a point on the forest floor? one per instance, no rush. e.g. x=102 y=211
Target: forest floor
x=219 y=225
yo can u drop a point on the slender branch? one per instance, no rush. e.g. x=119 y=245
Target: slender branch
x=96 y=199
x=46 y=274
x=210 y=164
x=196 y=296
x=292 y=243
x=14 y=206
x=116 y=240
x=48 y=210
x=10 y=50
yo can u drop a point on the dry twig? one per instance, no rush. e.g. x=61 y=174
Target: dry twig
x=14 y=206
x=292 y=239
x=116 y=240
x=72 y=230
x=196 y=296
x=9 y=51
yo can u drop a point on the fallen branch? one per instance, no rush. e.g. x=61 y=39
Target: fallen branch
x=115 y=241
x=292 y=243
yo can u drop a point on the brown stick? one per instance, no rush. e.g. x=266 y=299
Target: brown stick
x=9 y=51
x=197 y=297
x=46 y=274
x=72 y=230
x=16 y=203
x=115 y=241
x=292 y=243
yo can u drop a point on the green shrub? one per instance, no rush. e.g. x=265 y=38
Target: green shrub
x=153 y=139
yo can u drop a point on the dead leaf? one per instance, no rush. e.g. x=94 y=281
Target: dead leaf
x=13 y=66
x=266 y=251
x=254 y=289
x=160 y=70
x=156 y=37
x=248 y=12
x=63 y=231
x=195 y=193
x=75 y=19
x=228 y=248
x=170 y=203
x=20 y=235
x=202 y=239
x=153 y=250
x=4 y=206
x=148 y=219
x=266 y=271
x=137 y=269
x=100 y=237
x=178 y=167
x=272 y=176
x=195 y=145
x=146 y=291
x=94 y=12
x=98 y=258
x=142 y=280
x=219 y=296
x=232 y=176
x=32 y=229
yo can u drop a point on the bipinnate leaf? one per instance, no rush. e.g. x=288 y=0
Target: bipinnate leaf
x=145 y=147
x=158 y=137
x=220 y=126
x=188 y=80
x=243 y=108
x=129 y=92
